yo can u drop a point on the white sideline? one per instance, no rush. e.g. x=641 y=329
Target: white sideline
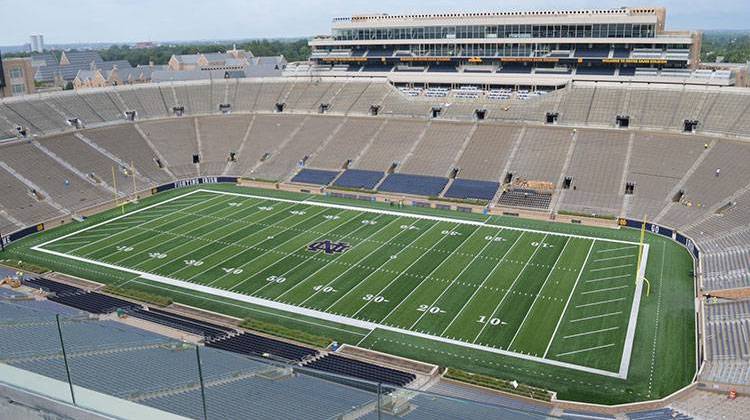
x=624 y=363
x=324 y=315
x=418 y=216
x=630 y=336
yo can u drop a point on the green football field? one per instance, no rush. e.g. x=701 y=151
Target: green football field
x=557 y=298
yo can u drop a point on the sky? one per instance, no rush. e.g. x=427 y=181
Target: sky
x=71 y=21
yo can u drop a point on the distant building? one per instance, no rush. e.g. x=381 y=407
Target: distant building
x=233 y=59
x=232 y=64
x=93 y=78
x=18 y=75
x=58 y=73
x=37 y=43
x=144 y=45
x=254 y=67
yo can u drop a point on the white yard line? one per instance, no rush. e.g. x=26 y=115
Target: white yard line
x=591 y=332
x=278 y=246
x=570 y=296
x=306 y=259
x=601 y=251
x=510 y=288
x=430 y=275
x=597 y=316
x=552 y=270
x=608 y=278
x=611 y=268
x=377 y=270
x=340 y=319
x=237 y=242
x=586 y=305
x=487 y=277
x=413 y=263
x=139 y=231
x=604 y=290
x=364 y=240
x=585 y=350
x=127 y=215
x=619 y=257
x=186 y=236
x=265 y=252
x=458 y=276
x=421 y=216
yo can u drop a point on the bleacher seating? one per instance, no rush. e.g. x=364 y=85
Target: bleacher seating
x=472 y=189
x=358 y=369
x=360 y=179
x=95 y=303
x=429 y=186
x=59 y=174
x=208 y=330
x=314 y=176
x=247 y=343
x=50 y=286
x=525 y=198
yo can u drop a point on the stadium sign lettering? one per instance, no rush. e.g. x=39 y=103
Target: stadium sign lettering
x=328 y=247
x=196 y=181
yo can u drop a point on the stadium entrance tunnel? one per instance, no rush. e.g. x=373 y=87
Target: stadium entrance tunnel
x=76 y=123
x=689 y=126
x=551 y=117
x=622 y=121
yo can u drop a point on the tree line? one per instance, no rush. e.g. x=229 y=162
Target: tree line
x=292 y=50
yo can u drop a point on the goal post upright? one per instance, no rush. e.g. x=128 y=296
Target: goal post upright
x=641 y=244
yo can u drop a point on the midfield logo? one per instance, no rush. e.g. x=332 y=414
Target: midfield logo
x=328 y=247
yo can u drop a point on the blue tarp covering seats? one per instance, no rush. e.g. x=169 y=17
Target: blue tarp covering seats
x=413 y=184
x=471 y=189
x=315 y=176
x=357 y=178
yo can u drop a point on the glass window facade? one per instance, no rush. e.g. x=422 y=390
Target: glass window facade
x=604 y=30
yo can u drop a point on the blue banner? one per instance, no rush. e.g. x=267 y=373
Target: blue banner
x=651 y=227
x=689 y=244
x=196 y=181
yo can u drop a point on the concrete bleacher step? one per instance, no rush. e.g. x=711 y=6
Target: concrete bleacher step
x=416 y=143
x=463 y=147
x=557 y=197
x=242 y=145
x=369 y=143
x=154 y=150
x=103 y=185
x=511 y=156
x=280 y=146
x=30 y=185
x=681 y=184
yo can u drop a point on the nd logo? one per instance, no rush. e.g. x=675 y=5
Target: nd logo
x=328 y=247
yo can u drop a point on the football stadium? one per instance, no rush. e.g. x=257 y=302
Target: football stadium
x=500 y=215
